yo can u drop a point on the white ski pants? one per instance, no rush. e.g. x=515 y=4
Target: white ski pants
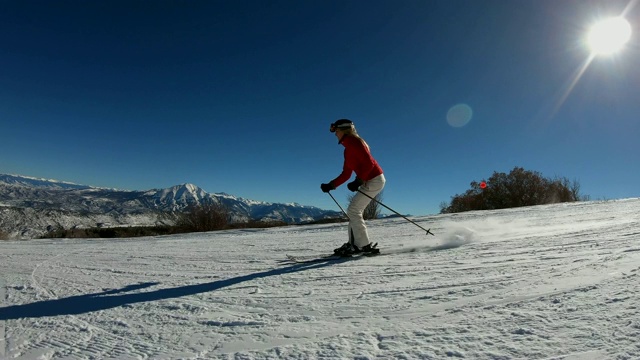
x=357 y=229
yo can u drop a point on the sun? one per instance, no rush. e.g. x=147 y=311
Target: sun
x=609 y=36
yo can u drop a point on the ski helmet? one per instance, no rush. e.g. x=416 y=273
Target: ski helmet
x=341 y=124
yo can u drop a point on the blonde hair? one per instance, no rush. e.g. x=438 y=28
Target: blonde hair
x=351 y=131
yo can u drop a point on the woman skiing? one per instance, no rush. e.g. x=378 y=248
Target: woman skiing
x=369 y=180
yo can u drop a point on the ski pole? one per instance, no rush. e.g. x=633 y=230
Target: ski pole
x=334 y=200
x=397 y=213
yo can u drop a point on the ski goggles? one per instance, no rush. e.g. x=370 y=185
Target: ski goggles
x=335 y=126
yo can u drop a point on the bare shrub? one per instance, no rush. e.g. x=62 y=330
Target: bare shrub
x=204 y=217
x=4 y=235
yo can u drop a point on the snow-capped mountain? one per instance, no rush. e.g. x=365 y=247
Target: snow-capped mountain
x=41 y=183
x=30 y=207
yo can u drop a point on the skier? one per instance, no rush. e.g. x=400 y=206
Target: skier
x=369 y=180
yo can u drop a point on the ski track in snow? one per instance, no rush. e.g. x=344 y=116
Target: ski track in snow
x=547 y=282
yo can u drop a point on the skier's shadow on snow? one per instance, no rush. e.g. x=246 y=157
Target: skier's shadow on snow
x=81 y=304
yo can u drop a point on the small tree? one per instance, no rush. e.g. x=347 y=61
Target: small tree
x=518 y=188
x=204 y=217
x=372 y=211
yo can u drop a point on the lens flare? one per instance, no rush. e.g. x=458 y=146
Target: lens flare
x=459 y=115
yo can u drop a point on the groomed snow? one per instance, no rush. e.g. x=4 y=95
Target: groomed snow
x=547 y=282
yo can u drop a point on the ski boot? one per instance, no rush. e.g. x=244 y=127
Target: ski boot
x=370 y=249
x=346 y=250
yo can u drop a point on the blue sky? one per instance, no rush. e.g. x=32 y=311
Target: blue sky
x=237 y=96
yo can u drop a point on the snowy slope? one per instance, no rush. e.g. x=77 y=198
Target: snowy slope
x=548 y=282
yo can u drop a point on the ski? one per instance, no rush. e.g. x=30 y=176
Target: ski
x=326 y=257
x=313 y=258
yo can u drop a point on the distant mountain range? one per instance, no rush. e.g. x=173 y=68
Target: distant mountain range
x=30 y=207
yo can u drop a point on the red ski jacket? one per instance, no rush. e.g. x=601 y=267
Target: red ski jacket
x=356 y=158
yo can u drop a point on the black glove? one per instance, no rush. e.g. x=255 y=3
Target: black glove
x=327 y=187
x=354 y=185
